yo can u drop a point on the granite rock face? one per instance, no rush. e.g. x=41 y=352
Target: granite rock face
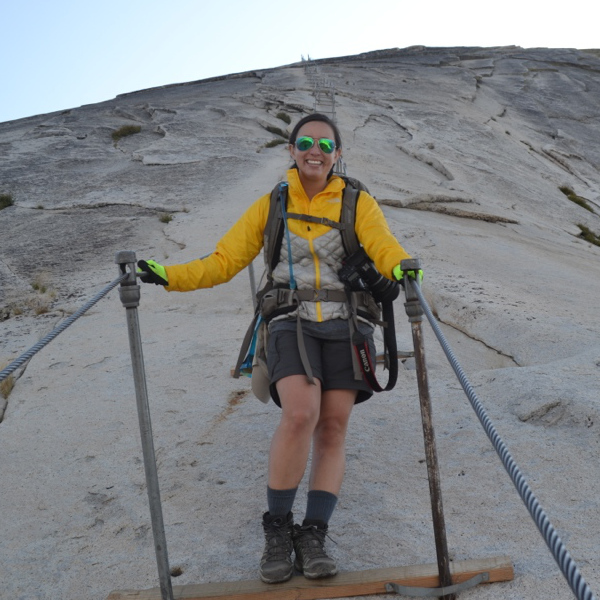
x=487 y=165
x=489 y=131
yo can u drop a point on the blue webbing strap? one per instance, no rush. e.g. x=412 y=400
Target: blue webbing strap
x=282 y=197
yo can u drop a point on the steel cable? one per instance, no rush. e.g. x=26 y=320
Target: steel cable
x=568 y=567
x=13 y=366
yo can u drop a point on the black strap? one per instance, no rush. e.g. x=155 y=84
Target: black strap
x=318 y=220
x=274 y=229
x=349 y=201
x=365 y=360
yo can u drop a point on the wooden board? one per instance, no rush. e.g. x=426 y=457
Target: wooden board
x=358 y=583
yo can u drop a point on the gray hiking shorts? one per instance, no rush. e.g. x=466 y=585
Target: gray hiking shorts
x=329 y=352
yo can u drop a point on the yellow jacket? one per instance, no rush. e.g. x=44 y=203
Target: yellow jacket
x=244 y=241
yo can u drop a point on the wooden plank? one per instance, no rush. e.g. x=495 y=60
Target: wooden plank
x=358 y=583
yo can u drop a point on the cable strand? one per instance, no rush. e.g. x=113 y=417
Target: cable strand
x=28 y=354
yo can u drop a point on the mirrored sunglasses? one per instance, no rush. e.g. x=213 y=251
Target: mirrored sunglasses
x=305 y=143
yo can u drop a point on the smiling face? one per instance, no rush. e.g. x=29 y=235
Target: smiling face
x=313 y=164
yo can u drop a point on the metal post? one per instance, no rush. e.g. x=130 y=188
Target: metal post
x=129 y=292
x=415 y=316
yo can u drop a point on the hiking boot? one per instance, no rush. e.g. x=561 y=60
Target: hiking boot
x=311 y=558
x=276 y=562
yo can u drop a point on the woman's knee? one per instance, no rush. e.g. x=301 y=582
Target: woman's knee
x=331 y=431
x=333 y=420
x=299 y=404
x=299 y=418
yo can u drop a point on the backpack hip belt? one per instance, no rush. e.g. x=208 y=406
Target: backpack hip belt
x=280 y=301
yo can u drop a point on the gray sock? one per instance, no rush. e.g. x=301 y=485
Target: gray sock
x=320 y=506
x=280 y=502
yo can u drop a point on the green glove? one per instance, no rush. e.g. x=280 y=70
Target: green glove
x=152 y=272
x=399 y=274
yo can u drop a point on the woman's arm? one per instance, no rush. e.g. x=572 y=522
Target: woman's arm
x=234 y=251
x=374 y=234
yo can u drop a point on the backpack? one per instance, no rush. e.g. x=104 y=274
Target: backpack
x=275 y=301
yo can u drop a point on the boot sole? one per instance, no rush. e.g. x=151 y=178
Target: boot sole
x=315 y=574
x=287 y=577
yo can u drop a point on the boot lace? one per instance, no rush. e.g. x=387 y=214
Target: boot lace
x=278 y=541
x=311 y=541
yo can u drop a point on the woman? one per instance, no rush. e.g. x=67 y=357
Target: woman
x=312 y=413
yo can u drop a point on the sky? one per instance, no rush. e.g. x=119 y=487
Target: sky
x=61 y=54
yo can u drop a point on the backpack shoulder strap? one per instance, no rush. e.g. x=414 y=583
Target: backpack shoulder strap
x=273 y=233
x=349 y=200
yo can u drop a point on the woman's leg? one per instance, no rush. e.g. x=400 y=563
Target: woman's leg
x=290 y=446
x=329 y=441
x=327 y=472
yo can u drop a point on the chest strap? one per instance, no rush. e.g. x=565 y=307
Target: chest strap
x=318 y=220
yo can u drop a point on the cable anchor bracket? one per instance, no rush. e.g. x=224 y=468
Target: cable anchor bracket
x=419 y=592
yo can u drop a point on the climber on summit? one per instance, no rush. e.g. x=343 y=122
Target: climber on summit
x=311 y=370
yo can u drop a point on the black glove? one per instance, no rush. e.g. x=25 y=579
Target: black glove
x=399 y=274
x=152 y=272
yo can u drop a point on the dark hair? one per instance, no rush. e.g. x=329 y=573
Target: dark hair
x=323 y=119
